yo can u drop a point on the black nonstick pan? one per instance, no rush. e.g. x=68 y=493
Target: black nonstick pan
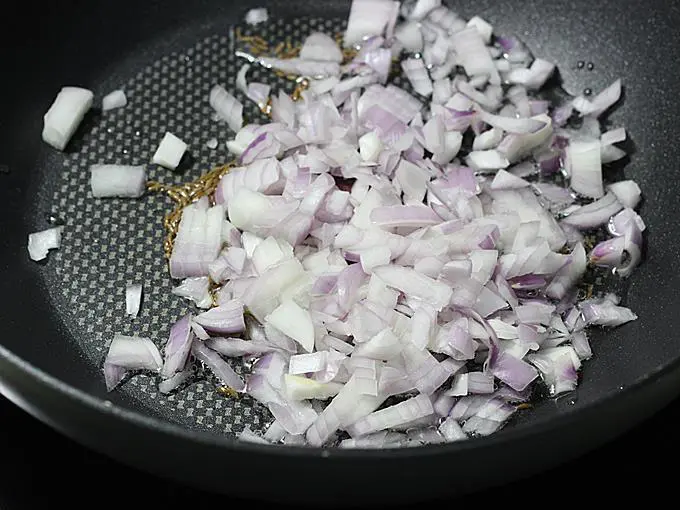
x=56 y=316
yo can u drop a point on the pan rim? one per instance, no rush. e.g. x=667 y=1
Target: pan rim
x=153 y=424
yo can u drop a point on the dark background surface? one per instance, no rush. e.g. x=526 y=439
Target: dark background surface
x=42 y=469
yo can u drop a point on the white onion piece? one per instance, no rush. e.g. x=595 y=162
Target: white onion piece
x=473 y=55
x=383 y=346
x=606 y=314
x=512 y=125
x=370 y=146
x=483 y=161
x=534 y=77
x=250 y=437
x=627 y=192
x=412 y=180
x=262 y=296
x=319 y=46
x=212 y=143
x=65 y=115
x=594 y=214
x=585 y=168
x=227 y=107
x=415 y=71
x=487 y=140
x=483 y=27
x=441 y=90
x=178 y=347
x=516 y=147
x=236 y=347
x=569 y=275
x=198 y=241
x=113 y=100
x=307 y=363
x=169 y=152
x=451 y=430
x=558 y=367
x=600 y=103
x=396 y=415
x=218 y=366
x=410 y=36
x=257 y=16
x=422 y=8
x=346 y=408
x=197 y=289
x=117 y=181
x=171 y=384
x=613 y=136
x=133 y=299
x=370 y=18
x=226 y=318
x=294 y=321
x=40 y=243
x=302 y=67
x=414 y=284
x=506 y=180
x=134 y=353
x=303 y=388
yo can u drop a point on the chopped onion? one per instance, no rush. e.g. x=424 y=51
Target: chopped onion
x=370 y=18
x=113 y=100
x=627 y=192
x=257 y=16
x=227 y=107
x=601 y=103
x=117 y=181
x=294 y=321
x=134 y=353
x=65 y=115
x=415 y=71
x=196 y=289
x=594 y=214
x=169 y=152
x=133 y=299
x=40 y=243
x=178 y=347
x=179 y=379
x=302 y=67
x=364 y=251
x=319 y=46
x=226 y=318
x=585 y=168
x=218 y=366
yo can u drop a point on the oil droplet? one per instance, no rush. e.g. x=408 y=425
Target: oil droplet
x=53 y=219
x=573 y=401
x=125 y=151
x=621 y=387
x=109 y=130
x=587 y=92
x=590 y=66
x=580 y=64
x=137 y=133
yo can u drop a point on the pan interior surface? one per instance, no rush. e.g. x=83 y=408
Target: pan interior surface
x=71 y=306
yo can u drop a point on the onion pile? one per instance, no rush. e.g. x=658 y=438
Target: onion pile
x=401 y=267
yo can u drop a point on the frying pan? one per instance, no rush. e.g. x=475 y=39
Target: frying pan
x=57 y=316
